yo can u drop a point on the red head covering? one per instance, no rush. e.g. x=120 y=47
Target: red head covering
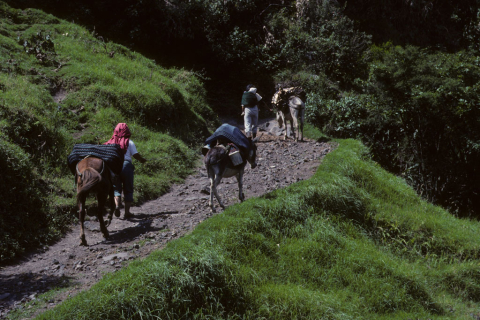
x=121 y=136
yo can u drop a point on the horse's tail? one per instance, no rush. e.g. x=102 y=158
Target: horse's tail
x=89 y=178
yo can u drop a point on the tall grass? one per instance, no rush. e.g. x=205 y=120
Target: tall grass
x=61 y=84
x=353 y=242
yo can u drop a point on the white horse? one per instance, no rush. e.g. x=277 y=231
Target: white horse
x=291 y=108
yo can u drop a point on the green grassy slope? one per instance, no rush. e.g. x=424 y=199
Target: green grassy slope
x=353 y=242
x=60 y=85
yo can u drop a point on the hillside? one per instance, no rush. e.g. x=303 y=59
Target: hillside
x=352 y=242
x=60 y=85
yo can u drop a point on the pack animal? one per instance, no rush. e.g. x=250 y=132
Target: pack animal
x=290 y=107
x=93 y=176
x=220 y=166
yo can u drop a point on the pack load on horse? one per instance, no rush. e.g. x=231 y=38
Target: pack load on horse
x=290 y=105
x=226 y=153
x=94 y=167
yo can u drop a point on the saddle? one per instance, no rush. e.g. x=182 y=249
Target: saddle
x=112 y=154
x=233 y=152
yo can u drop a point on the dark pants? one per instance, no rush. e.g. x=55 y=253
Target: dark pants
x=126 y=180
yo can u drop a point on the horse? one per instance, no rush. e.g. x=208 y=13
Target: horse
x=219 y=165
x=92 y=175
x=290 y=107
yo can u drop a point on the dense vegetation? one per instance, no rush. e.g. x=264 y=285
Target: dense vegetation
x=44 y=58
x=353 y=242
x=387 y=72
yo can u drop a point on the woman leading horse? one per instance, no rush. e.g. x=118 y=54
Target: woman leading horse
x=121 y=136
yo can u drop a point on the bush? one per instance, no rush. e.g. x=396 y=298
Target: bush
x=419 y=114
x=23 y=218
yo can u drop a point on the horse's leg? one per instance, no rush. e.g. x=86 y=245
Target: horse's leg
x=81 y=217
x=239 y=177
x=102 y=197
x=294 y=114
x=216 y=182
x=302 y=120
x=112 y=206
x=211 y=177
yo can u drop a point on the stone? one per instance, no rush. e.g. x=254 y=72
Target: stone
x=120 y=255
x=92 y=226
x=5 y=295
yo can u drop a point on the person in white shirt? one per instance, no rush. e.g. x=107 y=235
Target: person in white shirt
x=121 y=136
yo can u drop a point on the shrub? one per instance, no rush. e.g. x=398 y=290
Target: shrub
x=418 y=113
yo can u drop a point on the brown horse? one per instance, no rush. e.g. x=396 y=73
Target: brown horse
x=92 y=175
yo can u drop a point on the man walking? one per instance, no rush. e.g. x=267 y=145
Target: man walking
x=250 y=99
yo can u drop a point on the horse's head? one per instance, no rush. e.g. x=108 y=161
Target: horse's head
x=252 y=155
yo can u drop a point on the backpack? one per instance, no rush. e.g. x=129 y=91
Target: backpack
x=249 y=99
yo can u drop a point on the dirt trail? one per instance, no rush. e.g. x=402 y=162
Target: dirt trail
x=156 y=222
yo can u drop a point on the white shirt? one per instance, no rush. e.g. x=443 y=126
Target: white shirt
x=131 y=150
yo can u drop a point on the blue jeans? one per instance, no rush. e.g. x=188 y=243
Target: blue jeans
x=126 y=180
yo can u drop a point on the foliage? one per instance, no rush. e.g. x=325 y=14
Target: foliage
x=419 y=114
x=60 y=85
x=353 y=242
x=321 y=40
x=23 y=216
x=447 y=25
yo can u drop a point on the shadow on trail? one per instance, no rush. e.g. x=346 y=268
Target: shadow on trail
x=23 y=286
x=145 y=216
x=130 y=233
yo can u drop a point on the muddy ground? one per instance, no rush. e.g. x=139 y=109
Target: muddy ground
x=155 y=223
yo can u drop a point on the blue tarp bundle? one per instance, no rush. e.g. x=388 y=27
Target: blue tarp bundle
x=112 y=154
x=232 y=134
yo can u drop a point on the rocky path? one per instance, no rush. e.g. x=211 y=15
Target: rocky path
x=155 y=223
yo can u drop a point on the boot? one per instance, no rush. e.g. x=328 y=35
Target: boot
x=254 y=135
x=127 y=214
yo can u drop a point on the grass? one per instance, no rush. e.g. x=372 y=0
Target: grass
x=102 y=83
x=352 y=242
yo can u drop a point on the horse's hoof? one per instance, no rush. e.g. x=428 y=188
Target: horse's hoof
x=107 y=222
x=106 y=235
x=117 y=212
x=83 y=243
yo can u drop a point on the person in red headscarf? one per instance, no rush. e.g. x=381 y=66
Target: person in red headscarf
x=121 y=136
